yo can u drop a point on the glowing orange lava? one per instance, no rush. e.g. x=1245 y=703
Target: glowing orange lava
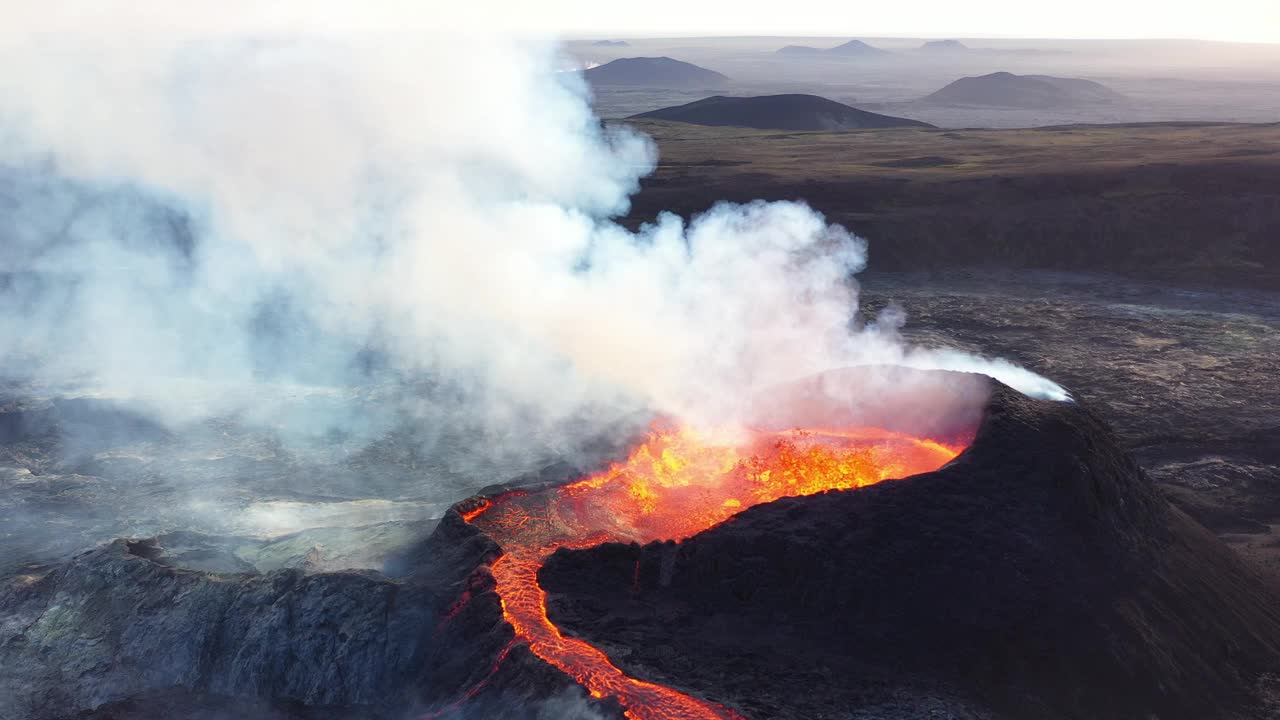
x=674 y=485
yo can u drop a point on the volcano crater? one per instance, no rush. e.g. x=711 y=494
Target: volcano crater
x=1039 y=574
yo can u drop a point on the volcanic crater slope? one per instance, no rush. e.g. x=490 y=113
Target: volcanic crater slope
x=1038 y=575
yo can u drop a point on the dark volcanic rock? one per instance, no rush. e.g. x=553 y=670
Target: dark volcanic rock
x=113 y=623
x=116 y=627
x=661 y=72
x=85 y=424
x=1039 y=575
x=778 y=112
x=1003 y=89
x=128 y=631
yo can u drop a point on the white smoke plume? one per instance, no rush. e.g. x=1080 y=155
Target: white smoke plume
x=220 y=209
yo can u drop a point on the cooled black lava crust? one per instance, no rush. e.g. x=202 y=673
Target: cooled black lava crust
x=1040 y=575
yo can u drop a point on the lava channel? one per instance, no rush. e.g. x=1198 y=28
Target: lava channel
x=674 y=485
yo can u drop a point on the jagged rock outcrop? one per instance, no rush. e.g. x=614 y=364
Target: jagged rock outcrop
x=129 y=631
x=113 y=623
x=116 y=623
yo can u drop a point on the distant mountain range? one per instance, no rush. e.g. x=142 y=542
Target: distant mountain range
x=1002 y=89
x=777 y=112
x=611 y=43
x=662 y=72
x=934 y=48
x=853 y=48
x=944 y=46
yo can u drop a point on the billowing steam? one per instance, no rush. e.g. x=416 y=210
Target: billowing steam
x=313 y=211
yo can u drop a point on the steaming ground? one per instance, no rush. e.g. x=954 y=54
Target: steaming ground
x=254 y=494
x=1184 y=376
x=307 y=292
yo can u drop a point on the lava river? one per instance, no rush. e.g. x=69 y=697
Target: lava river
x=677 y=483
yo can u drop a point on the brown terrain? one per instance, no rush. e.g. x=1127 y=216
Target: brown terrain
x=1173 y=202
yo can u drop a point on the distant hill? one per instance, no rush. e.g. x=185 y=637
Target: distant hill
x=654 y=72
x=853 y=48
x=940 y=46
x=611 y=43
x=799 y=50
x=1004 y=89
x=856 y=47
x=778 y=112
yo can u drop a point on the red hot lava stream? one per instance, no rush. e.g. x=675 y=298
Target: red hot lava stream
x=674 y=485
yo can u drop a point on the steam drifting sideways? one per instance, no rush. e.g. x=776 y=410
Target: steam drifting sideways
x=196 y=226
x=386 y=197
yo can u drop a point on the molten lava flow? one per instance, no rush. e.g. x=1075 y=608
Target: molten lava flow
x=674 y=485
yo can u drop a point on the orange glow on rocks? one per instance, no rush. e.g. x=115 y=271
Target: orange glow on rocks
x=674 y=485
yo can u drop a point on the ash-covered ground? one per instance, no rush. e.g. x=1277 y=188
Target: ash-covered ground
x=1185 y=377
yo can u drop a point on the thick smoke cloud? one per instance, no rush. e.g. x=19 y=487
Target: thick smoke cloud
x=187 y=219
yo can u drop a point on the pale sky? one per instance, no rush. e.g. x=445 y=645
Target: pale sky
x=1235 y=20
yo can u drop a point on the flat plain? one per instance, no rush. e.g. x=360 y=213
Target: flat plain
x=1182 y=202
